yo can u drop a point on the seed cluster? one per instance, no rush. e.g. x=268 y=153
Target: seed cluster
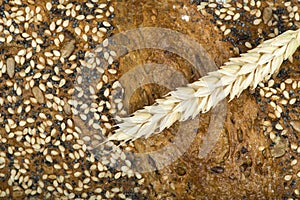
x=44 y=150
x=282 y=126
x=281 y=98
x=236 y=19
x=98 y=93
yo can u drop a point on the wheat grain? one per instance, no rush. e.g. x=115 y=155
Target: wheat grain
x=257 y=65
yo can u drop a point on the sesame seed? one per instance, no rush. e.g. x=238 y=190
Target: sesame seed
x=287 y=177
x=227 y=31
x=248 y=45
x=278 y=127
x=48 y=6
x=59 y=117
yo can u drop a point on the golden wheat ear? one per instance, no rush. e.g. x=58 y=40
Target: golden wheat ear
x=239 y=73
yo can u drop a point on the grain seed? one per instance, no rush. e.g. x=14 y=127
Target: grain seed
x=38 y=94
x=10 y=67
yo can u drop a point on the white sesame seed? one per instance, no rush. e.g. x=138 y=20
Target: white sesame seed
x=288 y=81
x=69 y=186
x=58 y=22
x=19 y=91
x=72 y=57
x=277 y=114
x=48 y=6
x=55 y=78
x=106 y=24
x=39 y=17
x=248 y=45
x=279 y=108
x=282 y=86
x=52 y=26
x=297 y=16
x=105 y=43
x=59 y=117
x=22 y=123
x=77 y=174
x=288 y=177
x=286 y=94
x=117 y=175
x=22 y=52
x=294 y=162
x=98 y=190
x=49 y=158
x=73 y=13
x=272 y=136
x=80 y=17
x=102 y=5
x=105 y=79
x=278 y=127
x=86 y=28
x=56 y=53
x=294 y=85
x=271 y=83
x=227 y=31
x=236 y=16
x=292 y=101
x=268 y=94
x=228 y=18
x=78 y=31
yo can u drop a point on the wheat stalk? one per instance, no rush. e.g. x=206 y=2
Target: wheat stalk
x=231 y=79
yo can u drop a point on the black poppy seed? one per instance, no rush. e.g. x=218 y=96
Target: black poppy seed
x=244 y=150
x=111 y=16
x=37 y=81
x=272 y=144
x=10 y=164
x=75 y=24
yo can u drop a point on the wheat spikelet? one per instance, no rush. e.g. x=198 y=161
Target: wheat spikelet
x=199 y=97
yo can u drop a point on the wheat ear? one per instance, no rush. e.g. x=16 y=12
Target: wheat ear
x=231 y=79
